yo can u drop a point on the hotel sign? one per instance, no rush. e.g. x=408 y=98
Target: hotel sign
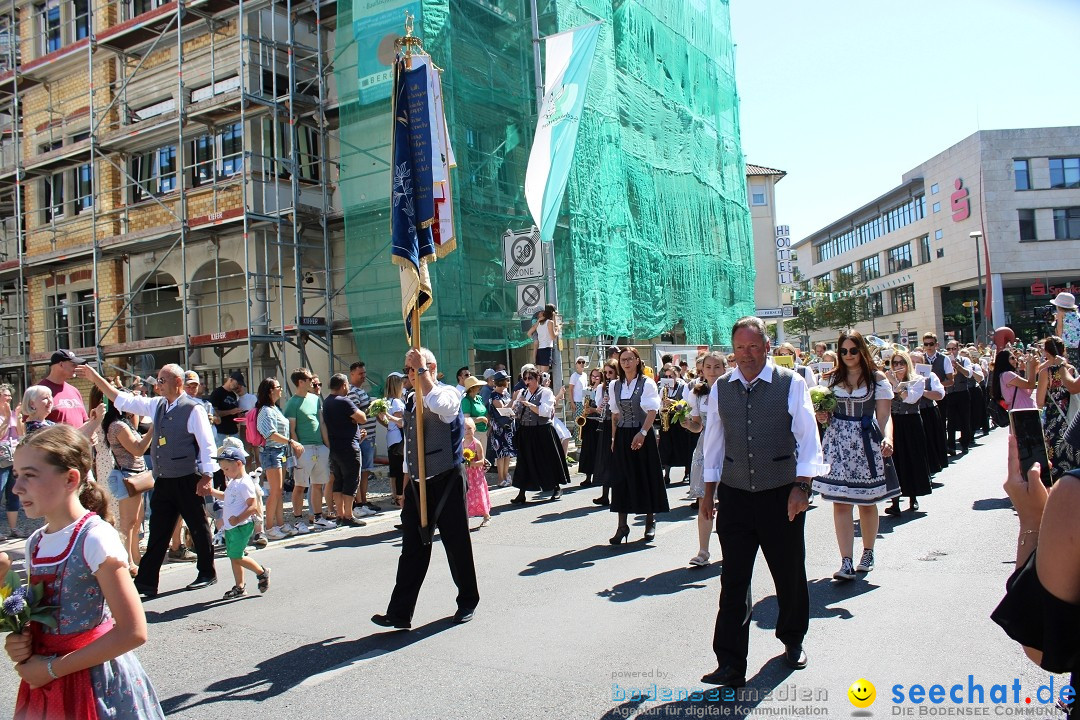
x=785 y=272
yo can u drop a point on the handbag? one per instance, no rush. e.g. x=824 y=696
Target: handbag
x=138 y=483
x=999 y=414
x=7 y=447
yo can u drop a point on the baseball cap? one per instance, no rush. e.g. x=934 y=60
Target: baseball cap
x=500 y=376
x=488 y=374
x=232 y=442
x=238 y=377
x=66 y=356
x=231 y=453
x=582 y=359
x=526 y=368
x=395 y=374
x=191 y=377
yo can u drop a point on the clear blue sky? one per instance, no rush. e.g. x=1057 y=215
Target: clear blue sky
x=847 y=95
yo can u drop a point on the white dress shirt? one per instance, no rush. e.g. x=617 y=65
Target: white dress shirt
x=809 y=460
x=650 y=396
x=198 y=423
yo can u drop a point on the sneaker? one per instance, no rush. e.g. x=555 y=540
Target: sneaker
x=373 y=507
x=351 y=522
x=219 y=539
x=288 y=529
x=259 y=540
x=846 y=571
x=325 y=524
x=302 y=528
x=275 y=533
x=362 y=511
x=867 y=562
x=182 y=555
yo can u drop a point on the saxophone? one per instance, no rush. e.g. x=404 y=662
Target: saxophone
x=580 y=419
x=665 y=413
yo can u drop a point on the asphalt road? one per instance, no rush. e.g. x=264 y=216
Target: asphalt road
x=569 y=627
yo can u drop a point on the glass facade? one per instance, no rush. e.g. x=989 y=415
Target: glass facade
x=1065 y=172
x=885 y=223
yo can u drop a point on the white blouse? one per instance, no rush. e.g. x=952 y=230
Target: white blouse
x=545 y=405
x=650 y=396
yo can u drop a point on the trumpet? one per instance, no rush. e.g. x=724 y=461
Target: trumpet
x=581 y=419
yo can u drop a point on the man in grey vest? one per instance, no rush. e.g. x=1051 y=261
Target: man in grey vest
x=958 y=400
x=761 y=451
x=183 y=470
x=444 y=430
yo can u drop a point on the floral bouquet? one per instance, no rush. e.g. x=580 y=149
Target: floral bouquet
x=20 y=604
x=469 y=456
x=680 y=410
x=823 y=399
x=378 y=406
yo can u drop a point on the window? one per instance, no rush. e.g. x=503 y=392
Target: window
x=221 y=86
x=846 y=274
x=82 y=21
x=870 y=268
x=757 y=194
x=232 y=149
x=83 y=182
x=937 y=207
x=940 y=253
x=1067 y=223
x=49 y=18
x=903 y=299
x=1027 y=225
x=52 y=198
x=900 y=258
x=1021 y=175
x=308 y=151
x=138 y=7
x=56 y=317
x=924 y=244
x=934 y=189
x=876 y=304
x=1064 y=172
x=154 y=173
x=938 y=234
x=159 y=108
x=203 y=152
x=85 y=331
x=910 y=212
x=824 y=282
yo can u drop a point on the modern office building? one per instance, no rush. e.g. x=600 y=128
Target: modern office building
x=999 y=210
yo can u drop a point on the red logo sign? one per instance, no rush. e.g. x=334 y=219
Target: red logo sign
x=961 y=204
x=1040 y=289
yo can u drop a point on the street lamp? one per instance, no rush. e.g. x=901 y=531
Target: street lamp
x=977 y=235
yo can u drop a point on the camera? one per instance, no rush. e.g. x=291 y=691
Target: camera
x=1045 y=314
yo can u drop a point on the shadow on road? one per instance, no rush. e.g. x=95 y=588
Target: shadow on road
x=665 y=583
x=281 y=673
x=710 y=701
x=579 y=559
x=824 y=593
x=992 y=504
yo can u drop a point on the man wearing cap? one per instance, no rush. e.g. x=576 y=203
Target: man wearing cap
x=181 y=449
x=444 y=431
x=1068 y=325
x=579 y=380
x=489 y=385
x=68 y=405
x=227 y=405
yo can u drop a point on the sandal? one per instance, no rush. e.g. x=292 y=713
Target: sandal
x=701 y=559
x=237 y=591
x=264 y=579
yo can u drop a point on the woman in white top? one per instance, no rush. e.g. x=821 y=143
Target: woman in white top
x=546 y=330
x=712 y=366
x=857 y=446
x=541 y=463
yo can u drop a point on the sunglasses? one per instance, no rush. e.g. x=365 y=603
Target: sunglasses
x=929 y=343
x=897 y=363
x=845 y=351
x=316 y=384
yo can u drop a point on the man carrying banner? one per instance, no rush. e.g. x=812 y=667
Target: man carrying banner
x=443 y=432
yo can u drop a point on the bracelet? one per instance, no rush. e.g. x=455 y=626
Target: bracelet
x=1026 y=532
x=49 y=667
x=643 y=433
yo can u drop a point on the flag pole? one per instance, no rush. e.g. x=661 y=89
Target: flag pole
x=408 y=43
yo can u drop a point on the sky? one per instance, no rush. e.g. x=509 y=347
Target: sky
x=848 y=95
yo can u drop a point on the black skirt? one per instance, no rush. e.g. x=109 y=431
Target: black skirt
x=590 y=438
x=602 y=461
x=934 y=432
x=541 y=463
x=676 y=446
x=909 y=455
x=636 y=478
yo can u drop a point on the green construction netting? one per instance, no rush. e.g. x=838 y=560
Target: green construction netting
x=655 y=229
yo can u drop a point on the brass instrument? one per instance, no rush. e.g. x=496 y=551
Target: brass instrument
x=581 y=419
x=665 y=413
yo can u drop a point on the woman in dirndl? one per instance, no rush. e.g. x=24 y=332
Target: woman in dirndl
x=602 y=461
x=637 y=481
x=541 y=463
x=910 y=457
x=675 y=443
x=1057 y=381
x=710 y=367
x=501 y=437
x=857 y=445
x=590 y=431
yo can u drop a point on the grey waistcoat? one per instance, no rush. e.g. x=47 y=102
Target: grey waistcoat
x=630 y=413
x=179 y=456
x=759 y=444
x=442 y=441
x=528 y=417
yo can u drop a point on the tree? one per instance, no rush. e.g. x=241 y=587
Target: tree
x=842 y=313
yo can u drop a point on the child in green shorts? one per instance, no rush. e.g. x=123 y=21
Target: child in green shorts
x=238 y=514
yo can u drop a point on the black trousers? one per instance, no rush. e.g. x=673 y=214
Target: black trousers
x=980 y=420
x=746 y=521
x=453 y=524
x=175 y=497
x=958 y=419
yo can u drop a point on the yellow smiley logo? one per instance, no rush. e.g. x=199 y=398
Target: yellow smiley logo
x=862 y=693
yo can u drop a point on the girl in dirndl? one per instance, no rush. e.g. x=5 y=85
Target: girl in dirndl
x=857 y=445
x=710 y=367
x=84 y=669
x=910 y=458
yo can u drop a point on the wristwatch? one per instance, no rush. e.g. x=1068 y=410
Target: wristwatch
x=421 y=370
x=805 y=487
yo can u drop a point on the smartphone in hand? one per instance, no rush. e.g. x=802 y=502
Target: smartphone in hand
x=1026 y=427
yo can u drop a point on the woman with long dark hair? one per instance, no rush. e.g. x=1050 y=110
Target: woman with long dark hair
x=541 y=462
x=546 y=330
x=637 y=481
x=1057 y=384
x=501 y=439
x=602 y=461
x=910 y=457
x=127 y=448
x=675 y=443
x=590 y=431
x=1007 y=385
x=857 y=445
x=274 y=428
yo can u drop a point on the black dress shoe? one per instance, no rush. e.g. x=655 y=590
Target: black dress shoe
x=146 y=592
x=557 y=493
x=602 y=501
x=725 y=676
x=795 y=656
x=519 y=499
x=463 y=616
x=202 y=582
x=391 y=621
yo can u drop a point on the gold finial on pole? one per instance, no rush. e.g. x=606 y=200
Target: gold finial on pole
x=408 y=24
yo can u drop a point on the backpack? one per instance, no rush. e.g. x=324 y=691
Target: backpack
x=251 y=428
x=999 y=412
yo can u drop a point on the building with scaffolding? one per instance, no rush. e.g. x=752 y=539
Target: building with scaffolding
x=165 y=184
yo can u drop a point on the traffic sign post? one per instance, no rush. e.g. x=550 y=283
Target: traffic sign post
x=531 y=298
x=523 y=259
